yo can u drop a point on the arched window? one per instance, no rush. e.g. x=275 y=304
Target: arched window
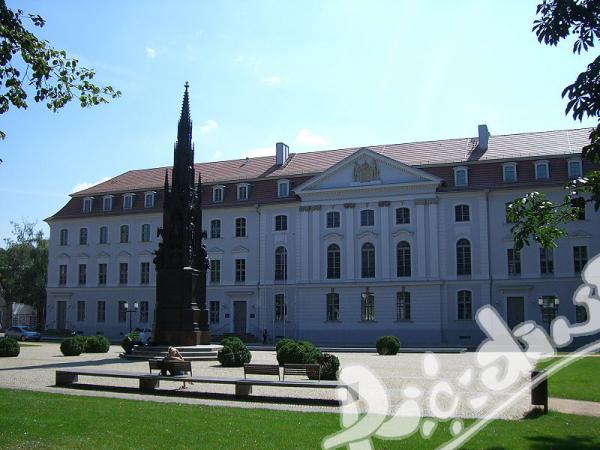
x=464 y=305
x=333 y=261
x=368 y=260
x=215 y=229
x=403 y=259
x=463 y=257
x=280 y=263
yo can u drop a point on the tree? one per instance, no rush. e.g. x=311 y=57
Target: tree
x=24 y=267
x=54 y=77
x=534 y=216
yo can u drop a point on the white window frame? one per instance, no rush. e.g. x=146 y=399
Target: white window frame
x=240 y=188
x=88 y=203
x=63 y=237
x=360 y=216
x=130 y=198
x=539 y=164
x=578 y=162
x=100 y=234
x=149 y=195
x=275 y=222
x=149 y=228
x=281 y=183
x=512 y=165
x=461 y=169
x=219 y=188
x=107 y=203
x=333 y=214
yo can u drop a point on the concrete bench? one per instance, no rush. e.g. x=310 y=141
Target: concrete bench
x=306 y=370
x=261 y=369
x=150 y=382
x=171 y=365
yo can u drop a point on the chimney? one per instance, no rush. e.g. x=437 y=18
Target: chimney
x=282 y=152
x=484 y=136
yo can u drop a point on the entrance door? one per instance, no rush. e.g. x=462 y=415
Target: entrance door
x=61 y=314
x=515 y=311
x=239 y=317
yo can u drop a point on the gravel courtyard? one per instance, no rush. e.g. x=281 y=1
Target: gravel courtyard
x=34 y=369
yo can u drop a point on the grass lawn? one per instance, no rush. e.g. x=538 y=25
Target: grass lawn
x=42 y=420
x=579 y=381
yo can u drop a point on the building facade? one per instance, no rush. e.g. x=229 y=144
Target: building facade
x=337 y=247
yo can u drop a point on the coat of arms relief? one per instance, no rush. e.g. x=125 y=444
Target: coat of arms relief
x=365 y=171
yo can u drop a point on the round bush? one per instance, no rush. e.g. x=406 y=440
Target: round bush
x=82 y=340
x=387 y=345
x=9 y=347
x=97 y=344
x=71 y=347
x=282 y=342
x=234 y=353
x=293 y=352
x=330 y=364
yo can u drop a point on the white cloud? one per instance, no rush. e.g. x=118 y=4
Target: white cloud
x=262 y=151
x=208 y=126
x=306 y=137
x=151 y=52
x=272 y=80
x=81 y=186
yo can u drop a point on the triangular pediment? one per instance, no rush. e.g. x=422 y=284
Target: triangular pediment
x=366 y=168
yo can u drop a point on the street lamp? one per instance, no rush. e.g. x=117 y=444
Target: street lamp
x=130 y=311
x=548 y=308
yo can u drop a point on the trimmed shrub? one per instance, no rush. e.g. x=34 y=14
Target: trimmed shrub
x=234 y=353
x=387 y=345
x=282 y=342
x=71 y=346
x=330 y=364
x=293 y=352
x=9 y=347
x=96 y=344
x=82 y=340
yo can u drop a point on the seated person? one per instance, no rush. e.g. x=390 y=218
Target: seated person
x=172 y=355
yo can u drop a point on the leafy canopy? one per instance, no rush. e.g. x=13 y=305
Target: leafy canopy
x=27 y=62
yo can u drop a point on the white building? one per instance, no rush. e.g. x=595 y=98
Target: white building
x=336 y=247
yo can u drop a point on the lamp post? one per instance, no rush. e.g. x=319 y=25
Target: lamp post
x=548 y=307
x=130 y=311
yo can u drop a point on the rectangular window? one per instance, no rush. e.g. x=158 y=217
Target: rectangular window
x=242 y=192
x=83 y=234
x=82 y=274
x=146 y=232
x=283 y=189
x=101 y=311
x=215 y=229
x=149 y=200
x=464 y=305
x=102 y=272
x=579 y=205
x=575 y=169
x=403 y=305
x=367 y=218
x=280 y=223
x=127 y=201
x=462 y=213
x=541 y=171
x=144 y=312
x=124 y=234
x=121 y=314
x=549 y=308
x=64 y=237
x=402 y=216
x=215 y=271
x=240 y=227
x=546 y=261
x=217 y=195
x=103 y=235
x=240 y=270
x=460 y=177
x=62 y=275
x=280 y=308
x=145 y=273
x=87 y=205
x=215 y=312
x=123 y=273
x=509 y=172
x=333 y=219
x=80 y=311
x=107 y=203
x=514 y=262
x=580 y=258
x=367 y=307
x=333 y=307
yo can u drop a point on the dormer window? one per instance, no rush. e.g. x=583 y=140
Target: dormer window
x=575 y=170
x=542 y=172
x=461 y=176
x=127 y=201
x=283 y=188
x=509 y=172
x=218 y=194
x=149 y=199
x=87 y=204
x=243 y=190
x=107 y=202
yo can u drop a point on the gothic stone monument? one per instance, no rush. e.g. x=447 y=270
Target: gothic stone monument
x=180 y=315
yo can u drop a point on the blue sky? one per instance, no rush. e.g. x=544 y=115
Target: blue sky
x=314 y=74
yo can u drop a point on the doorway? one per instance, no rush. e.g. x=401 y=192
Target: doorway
x=61 y=314
x=515 y=311
x=239 y=317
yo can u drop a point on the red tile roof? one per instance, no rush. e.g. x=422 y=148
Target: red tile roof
x=419 y=154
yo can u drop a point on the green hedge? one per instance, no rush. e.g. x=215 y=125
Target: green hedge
x=293 y=352
x=234 y=353
x=387 y=345
x=96 y=344
x=72 y=346
x=330 y=364
x=9 y=347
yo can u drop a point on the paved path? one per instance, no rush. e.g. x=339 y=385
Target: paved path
x=578 y=407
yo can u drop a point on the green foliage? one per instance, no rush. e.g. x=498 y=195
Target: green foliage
x=234 y=353
x=282 y=342
x=293 y=352
x=72 y=346
x=387 y=345
x=128 y=342
x=96 y=344
x=55 y=78
x=24 y=267
x=9 y=347
x=330 y=364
